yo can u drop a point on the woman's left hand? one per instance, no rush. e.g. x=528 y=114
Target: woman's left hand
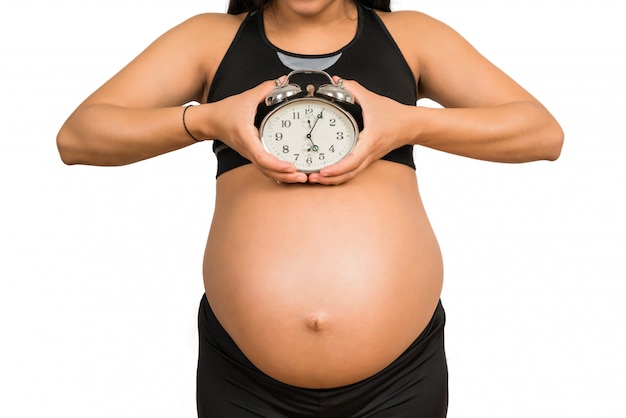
x=384 y=129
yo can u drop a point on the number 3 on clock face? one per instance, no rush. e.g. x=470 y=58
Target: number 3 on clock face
x=309 y=132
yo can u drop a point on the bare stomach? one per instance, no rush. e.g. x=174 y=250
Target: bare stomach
x=322 y=286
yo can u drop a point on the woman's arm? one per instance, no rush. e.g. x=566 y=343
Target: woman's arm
x=486 y=114
x=111 y=135
x=137 y=113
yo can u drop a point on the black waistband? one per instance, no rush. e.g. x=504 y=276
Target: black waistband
x=212 y=332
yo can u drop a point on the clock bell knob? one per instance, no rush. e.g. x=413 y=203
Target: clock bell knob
x=336 y=92
x=282 y=92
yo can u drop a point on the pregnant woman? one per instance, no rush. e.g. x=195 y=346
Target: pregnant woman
x=322 y=288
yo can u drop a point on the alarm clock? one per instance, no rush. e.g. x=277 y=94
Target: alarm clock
x=311 y=127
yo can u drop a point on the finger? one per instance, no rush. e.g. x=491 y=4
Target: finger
x=353 y=161
x=316 y=178
x=336 y=177
x=290 y=178
x=278 y=169
x=280 y=177
x=358 y=91
x=263 y=90
x=271 y=163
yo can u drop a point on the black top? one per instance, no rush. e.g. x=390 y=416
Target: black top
x=372 y=58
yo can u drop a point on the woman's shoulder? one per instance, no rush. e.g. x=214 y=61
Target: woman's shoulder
x=420 y=33
x=202 y=35
x=214 y=24
x=410 y=21
x=202 y=30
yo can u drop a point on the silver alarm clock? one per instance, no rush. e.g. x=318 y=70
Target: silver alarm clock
x=309 y=127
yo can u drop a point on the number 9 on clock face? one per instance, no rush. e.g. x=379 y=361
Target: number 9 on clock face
x=309 y=132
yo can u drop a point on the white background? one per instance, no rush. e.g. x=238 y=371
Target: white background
x=100 y=268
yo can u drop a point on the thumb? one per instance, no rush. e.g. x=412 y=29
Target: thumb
x=263 y=90
x=357 y=90
x=350 y=84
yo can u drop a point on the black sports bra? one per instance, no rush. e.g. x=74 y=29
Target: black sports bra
x=372 y=58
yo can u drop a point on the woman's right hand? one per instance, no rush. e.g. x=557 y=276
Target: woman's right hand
x=231 y=120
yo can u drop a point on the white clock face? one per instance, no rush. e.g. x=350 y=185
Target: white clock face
x=311 y=133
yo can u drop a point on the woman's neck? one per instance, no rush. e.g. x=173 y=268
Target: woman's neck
x=312 y=27
x=289 y=14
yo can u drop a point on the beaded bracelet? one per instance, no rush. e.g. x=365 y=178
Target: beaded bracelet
x=185 y=125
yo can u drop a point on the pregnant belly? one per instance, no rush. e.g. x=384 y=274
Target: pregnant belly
x=321 y=286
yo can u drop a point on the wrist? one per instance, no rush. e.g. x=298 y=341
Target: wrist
x=412 y=122
x=422 y=124
x=192 y=122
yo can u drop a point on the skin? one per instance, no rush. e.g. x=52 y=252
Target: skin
x=304 y=303
x=488 y=116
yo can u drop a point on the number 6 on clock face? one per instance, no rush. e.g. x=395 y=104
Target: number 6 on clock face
x=309 y=132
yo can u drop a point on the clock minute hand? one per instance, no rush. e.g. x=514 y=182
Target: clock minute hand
x=309 y=136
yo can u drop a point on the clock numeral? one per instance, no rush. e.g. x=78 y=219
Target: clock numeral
x=308 y=111
x=333 y=122
x=332 y=148
x=322 y=156
x=286 y=123
x=339 y=136
x=296 y=115
x=285 y=149
x=278 y=136
x=309 y=160
x=296 y=155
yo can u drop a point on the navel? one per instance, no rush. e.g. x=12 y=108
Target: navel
x=316 y=322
